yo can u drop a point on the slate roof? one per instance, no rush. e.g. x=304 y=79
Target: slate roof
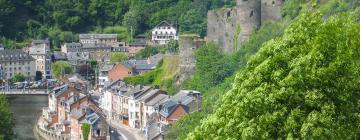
x=169 y=107
x=14 y=55
x=148 y=95
x=141 y=65
x=59 y=56
x=184 y=96
x=97 y=36
x=158 y=99
x=91 y=118
x=136 y=91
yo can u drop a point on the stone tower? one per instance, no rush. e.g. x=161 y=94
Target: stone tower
x=230 y=27
x=187 y=47
x=226 y=20
x=248 y=17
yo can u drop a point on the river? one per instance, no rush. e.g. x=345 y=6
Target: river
x=26 y=109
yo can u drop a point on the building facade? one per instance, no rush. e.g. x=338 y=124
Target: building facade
x=108 y=39
x=40 y=51
x=16 y=61
x=163 y=33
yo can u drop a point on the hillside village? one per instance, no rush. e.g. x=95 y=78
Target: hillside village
x=108 y=101
x=199 y=69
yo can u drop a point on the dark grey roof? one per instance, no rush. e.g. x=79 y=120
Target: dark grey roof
x=136 y=91
x=59 y=56
x=14 y=55
x=158 y=99
x=137 y=44
x=97 y=36
x=140 y=64
x=185 y=96
x=59 y=90
x=169 y=107
x=145 y=67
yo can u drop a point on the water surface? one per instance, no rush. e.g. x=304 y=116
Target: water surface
x=26 y=109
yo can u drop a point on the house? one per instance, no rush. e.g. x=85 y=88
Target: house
x=71 y=47
x=141 y=66
x=120 y=71
x=108 y=39
x=163 y=33
x=134 y=109
x=172 y=111
x=77 y=59
x=135 y=47
x=148 y=102
x=189 y=98
x=98 y=52
x=40 y=51
x=103 y=74
x=14 y=61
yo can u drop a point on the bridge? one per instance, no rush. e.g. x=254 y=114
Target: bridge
x=24 y=92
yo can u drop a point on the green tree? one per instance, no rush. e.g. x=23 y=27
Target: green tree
x=147 y=52
x=118 y=57
x=85 y=128
x=302 y=85
x=60 y=68
x=18 y=78
x=6 y=119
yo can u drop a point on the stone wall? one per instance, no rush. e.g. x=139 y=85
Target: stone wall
x=229 y=27
x=271 y=10
x=187 y=47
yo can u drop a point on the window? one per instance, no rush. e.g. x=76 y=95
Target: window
x=137 y=104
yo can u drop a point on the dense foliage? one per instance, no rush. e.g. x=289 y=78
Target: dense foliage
x=22 y=20
x=60 y=68
x=18 y=78
x=118 y=57
x=220 y=84
x=6 y=119
x=302 y=85
x=163 y=75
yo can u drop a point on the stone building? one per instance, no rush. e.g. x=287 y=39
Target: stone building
x=40 y=51
x=15 y=61
x=163 y=33
x=230 y=27
x=108 y=39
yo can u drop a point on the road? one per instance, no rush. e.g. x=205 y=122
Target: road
x=121 y=133
x=24 y=91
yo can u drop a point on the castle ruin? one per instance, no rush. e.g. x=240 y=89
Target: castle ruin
x=229 y=27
